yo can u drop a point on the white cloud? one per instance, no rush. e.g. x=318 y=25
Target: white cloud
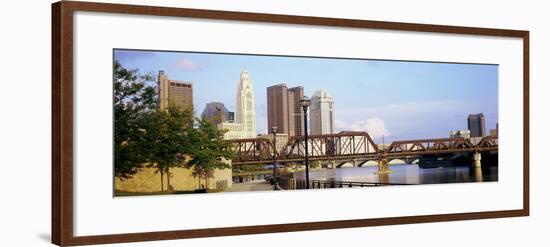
x=375 y=126
x=427 y=119
x=187 y=64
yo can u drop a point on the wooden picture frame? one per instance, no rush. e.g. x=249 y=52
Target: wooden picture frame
x=63 y=113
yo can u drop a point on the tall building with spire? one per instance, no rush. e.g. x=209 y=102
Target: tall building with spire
x=321 y=113
x=245 y=120
x=246 y=115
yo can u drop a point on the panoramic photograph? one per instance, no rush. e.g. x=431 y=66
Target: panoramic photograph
x=199 y=122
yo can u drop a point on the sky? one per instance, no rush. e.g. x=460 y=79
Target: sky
x=391 y=100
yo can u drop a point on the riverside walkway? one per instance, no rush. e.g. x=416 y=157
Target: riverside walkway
x=256 y=185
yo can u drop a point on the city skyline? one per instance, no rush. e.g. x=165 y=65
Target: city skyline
x=427 y=99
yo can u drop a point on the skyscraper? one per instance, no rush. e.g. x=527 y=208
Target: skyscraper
x=296 y=112
x=476 y=125
x=244 y=125
x=246 y=115
x=284 y=110
x=216 y=113
x=321 y=113
x=277 y=108
x=174 y=93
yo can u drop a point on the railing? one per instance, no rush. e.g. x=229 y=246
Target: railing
x=241 y=178
x=298 y=184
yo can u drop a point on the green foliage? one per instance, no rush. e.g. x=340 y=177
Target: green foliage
x=209 y=150
x=160 y=138
x=164 y=139
x=165 y=136
x=132 y=97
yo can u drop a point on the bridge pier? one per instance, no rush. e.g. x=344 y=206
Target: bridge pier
x=383 y=167
x=478 y=174
x=477 y=160
x=384 y=178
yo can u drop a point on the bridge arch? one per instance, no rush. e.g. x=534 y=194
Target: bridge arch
x=345 y=164
x=371 y=162
x=396 y=161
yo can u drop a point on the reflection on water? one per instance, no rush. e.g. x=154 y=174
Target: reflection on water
x=406 y=174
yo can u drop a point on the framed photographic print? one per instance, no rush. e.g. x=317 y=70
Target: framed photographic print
x=172 y=123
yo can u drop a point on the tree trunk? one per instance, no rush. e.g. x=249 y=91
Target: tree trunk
x=161 y=179
x=206 y=179
x=168 y=188
x=199 y=182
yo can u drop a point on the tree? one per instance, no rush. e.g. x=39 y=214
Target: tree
x=146 y=135
x=209 y=151
x=165 y=139
x=133 y=96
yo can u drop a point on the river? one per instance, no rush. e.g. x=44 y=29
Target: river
x=405 y=174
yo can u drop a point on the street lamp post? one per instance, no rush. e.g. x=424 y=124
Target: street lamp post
x=274 y=131
x=305 y=102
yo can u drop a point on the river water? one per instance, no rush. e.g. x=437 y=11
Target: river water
x=405 y=174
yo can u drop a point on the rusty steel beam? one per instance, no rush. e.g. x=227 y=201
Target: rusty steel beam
x=369 y=156
x=350 y=145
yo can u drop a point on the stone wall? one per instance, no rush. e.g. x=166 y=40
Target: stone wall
x=148 y=180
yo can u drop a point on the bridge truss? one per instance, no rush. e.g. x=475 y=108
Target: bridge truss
x=350 y=145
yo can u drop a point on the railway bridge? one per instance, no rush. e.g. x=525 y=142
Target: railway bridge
x=355 y=147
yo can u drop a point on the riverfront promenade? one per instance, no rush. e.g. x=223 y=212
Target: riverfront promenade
x=256 y=185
